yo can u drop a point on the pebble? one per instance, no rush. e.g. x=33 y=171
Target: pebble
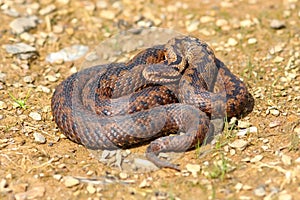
x=144 y=164
x=3 y=105
x=285 y=197
x=275 y=112
x=91 y=188
x=274 y=124
x=193 y=168
x=287 y=160
x=123 y=175
x=221 y=22
x=11 y=12
x=145 y=183
x=108 y=14
x=2 y=77
x=278 y=59
x=51 y=78
x=34 y=193
x=256 y=158
x=68 y=54
x=35 y=116
x=19 y=48
x=71 y=182
x=232 y=42
x=252 y=41
x=28 y=79
x=246 y=23
x=23 y=24
x=43 y=89
x=39 y=138
x=50 y=8
x=27 y=37
x=57 y=177
x=239 y=144
x=206 y=19
x=259 y=191
x=277 y=48
x=277 y=24
x=192 y=26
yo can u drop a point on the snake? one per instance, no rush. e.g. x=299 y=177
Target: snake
x=165 y=97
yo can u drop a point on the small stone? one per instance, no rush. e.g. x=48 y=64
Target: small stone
x=192 y=26
x=2 y=77
x=35 y=116
x=145 y=183
x=43 y=89
x=91 y=189
x=276 y=49
x=50 y=8
x=51 y=78
x=39 y=138
x=259 y=191
x=274 y=124
x=275 y=112
x=28 y=79
x=206 y=19
x=3 y=105
x=71 y=182
x=108 y=14
x=256 y=158
x=123 y=175
x=285 y=196
x=239 y=144
x=252 y=41
x=144 y=164
x=232 y=42
x=278 y=59
x=221 y=22
x=243 y=124
x=101 y=4
x=246 y=23
x=27 y=37
x=287 y=160
x=68 y=54
x=19 y=48
x=238 y=186
x=34 y=193
x=4 y=186
x=57 y=177
x=23 y=24
x=277 y=24
x=194 y=169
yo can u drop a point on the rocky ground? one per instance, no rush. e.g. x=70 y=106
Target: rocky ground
x=258 y=40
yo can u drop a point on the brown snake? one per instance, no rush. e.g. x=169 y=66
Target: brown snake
x=163 y=90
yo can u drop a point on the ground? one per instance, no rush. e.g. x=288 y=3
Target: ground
x=258 y=40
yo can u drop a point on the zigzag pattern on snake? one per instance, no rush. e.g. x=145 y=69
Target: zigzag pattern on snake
x=166 y=89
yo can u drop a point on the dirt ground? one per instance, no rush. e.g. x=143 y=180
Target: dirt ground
x=258 y=40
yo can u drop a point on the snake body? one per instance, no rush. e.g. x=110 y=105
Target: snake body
x=163 y=90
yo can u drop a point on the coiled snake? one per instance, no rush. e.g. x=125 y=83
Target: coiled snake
x=163 y=90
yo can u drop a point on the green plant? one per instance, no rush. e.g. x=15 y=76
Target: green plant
x=20 y=102
x=220 y=168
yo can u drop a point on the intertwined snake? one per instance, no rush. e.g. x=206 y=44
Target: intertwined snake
x=166 y=89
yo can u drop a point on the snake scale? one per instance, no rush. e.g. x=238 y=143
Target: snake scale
x=177 y=87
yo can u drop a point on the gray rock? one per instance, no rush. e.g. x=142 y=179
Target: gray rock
x=39 y=138
x=24 y=51
x=23 y=24
x=68 y=54
x=2 y=77
x=19 y=48
x=277 y=24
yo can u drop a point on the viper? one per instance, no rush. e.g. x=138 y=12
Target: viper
x=165 y=96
